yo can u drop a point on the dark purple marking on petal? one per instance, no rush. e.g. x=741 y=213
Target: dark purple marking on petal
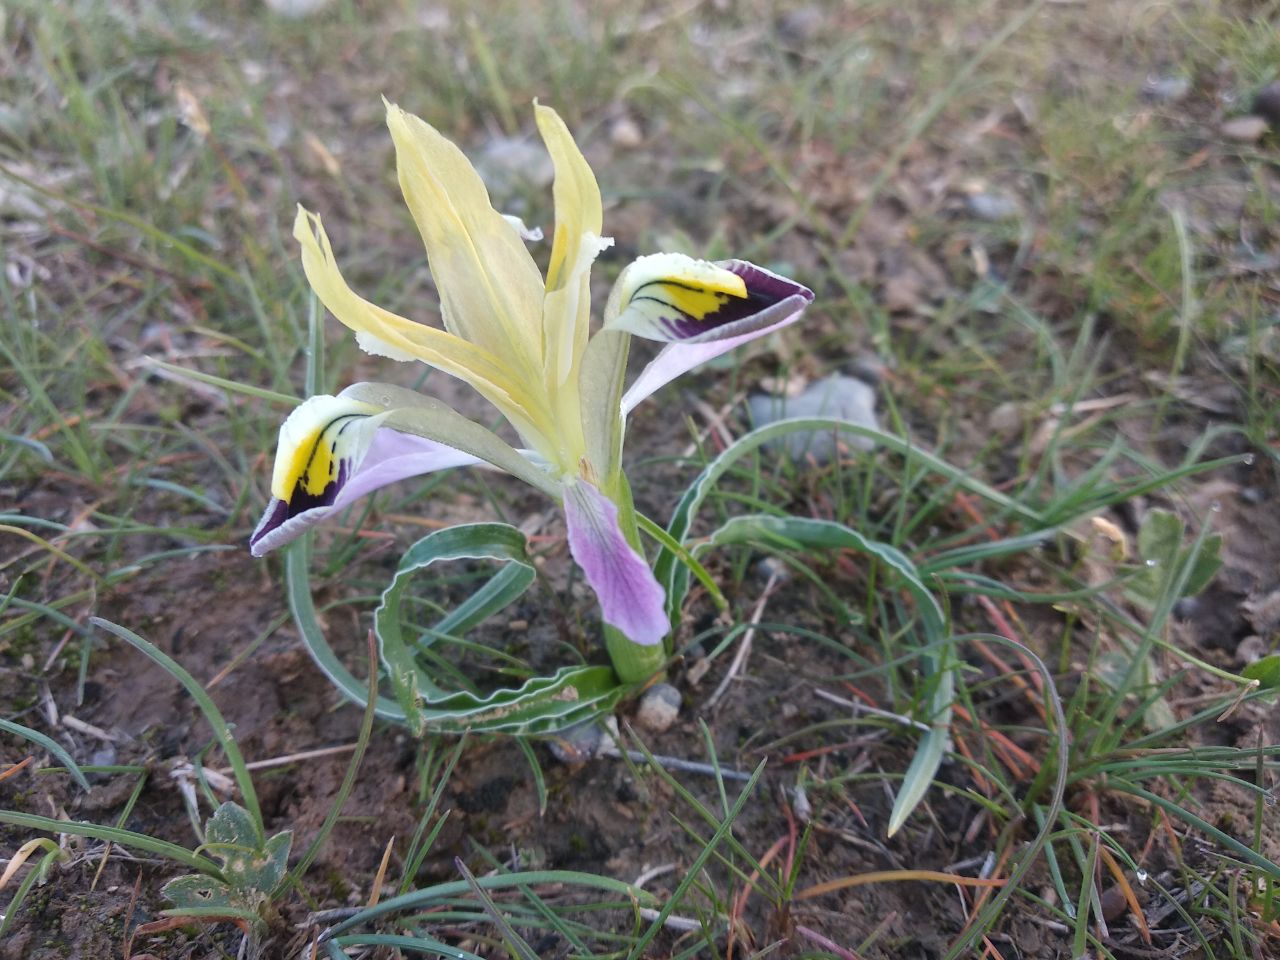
x=391 y=456
x=765 y=291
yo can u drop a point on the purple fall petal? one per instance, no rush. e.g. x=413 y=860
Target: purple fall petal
x=391 y=456
x=677 y=358
x=631 y=598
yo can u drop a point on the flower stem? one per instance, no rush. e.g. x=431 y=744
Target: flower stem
x=632 y=662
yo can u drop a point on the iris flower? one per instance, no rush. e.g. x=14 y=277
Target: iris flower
x=524 y=343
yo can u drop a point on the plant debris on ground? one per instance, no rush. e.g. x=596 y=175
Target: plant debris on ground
x=1042 y=565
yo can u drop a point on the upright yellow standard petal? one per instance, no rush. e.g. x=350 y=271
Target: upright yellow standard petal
x=577 y=242
x=490 y=288
x=395 y=335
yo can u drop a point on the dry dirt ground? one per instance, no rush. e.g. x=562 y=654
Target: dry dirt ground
x=917 y=245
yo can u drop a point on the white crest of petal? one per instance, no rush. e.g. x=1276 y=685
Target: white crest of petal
x=526 y=234
x=375 y=346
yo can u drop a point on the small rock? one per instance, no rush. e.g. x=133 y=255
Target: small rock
x=296 y=9
x=838 y=397
x=800 y=804
x=801 y=25
x=1006 y=419
x=771 y=567
x=1266 y=103
x=659 y=708
x=626 y=133
x=1247 y=129
x=1250 y=650
x=579 y=743
x=103 y=757
x=1166 y=89
x=510 y=165
x=868 y=368
x=993 y=207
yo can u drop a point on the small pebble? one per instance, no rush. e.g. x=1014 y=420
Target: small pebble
x=510 y=165
x=103 y=757
x=1246 y=129
x=800 y=804
x=801 y=25
x=659 y=708
x=579 y=743
x=1251 y=650
x=296 y=9
x=626 y=133
x=1005 y=419
x=838 y=397
x=770 y=567
x=868 y=368
x=1166 y=89
x=992 y=207
x=1266 y=103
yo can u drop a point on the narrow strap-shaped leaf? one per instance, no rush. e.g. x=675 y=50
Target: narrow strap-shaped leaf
x=802 y=533
x=211 y=714
x=474 y=541
x=540 y=705
x=49 y=744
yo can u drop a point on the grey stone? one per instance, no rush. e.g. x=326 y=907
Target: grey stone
x=992 y=206
x=1166 y=89
x=838 y=397
x=659 y=708
x=579 y=743
x=1246 y=129
x=511 y=165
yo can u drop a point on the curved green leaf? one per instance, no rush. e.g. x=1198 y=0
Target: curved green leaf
x=540 y=705
x=49 y=744
x=796 y=533
x=673 y=575
x=211 y=714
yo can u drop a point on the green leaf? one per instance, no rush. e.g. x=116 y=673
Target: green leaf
x=1205 y=566
x=252 y=870
x=49 y=744
x=211 y=714
x=540 y=705
x=1266 y=671
x=796 y=533
x=1163 y=556
x=674 y=576
x=231 y=824
x=261 y=869
x=200 y=891
x=117 y=835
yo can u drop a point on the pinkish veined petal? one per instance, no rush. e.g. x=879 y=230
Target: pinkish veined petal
x=678 y=358
x=631 y=598
x=677 y=299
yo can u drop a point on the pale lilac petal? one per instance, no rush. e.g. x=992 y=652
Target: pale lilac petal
x=631 y=598
x=677 y=358
x=391 y=456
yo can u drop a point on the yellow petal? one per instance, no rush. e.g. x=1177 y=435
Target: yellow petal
x=390 y=334
x=577 y=242
x=490 y=288
x=318 y=437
